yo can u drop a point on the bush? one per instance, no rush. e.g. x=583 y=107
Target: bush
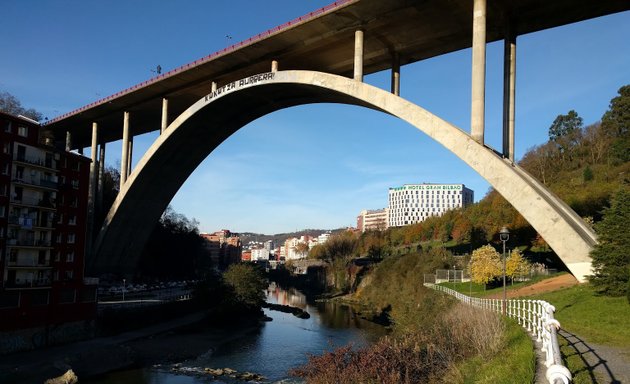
x=416 y=357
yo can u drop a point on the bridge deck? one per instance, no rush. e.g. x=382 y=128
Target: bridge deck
x=324 y=41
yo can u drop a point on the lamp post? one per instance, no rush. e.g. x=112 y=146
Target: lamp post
x=504 y=235
x=125 y=287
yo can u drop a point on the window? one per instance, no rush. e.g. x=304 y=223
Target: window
x=58 y=258
x=70 y=257
x=7 y=126
x=2 y=208
x=72 y=220
x=75 y=184
x=6 y=148
x=5 y=169
x=60 y=218
x=67 y=295
x=71 y=238
x=23 y=131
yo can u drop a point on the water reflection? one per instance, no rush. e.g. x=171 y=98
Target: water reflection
x=276 y=347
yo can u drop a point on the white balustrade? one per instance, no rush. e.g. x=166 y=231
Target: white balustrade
x=536 y=316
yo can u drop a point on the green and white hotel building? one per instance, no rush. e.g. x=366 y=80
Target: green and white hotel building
x=412 y=203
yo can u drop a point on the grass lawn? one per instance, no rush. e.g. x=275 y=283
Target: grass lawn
x=598 y=319
x=480 y=290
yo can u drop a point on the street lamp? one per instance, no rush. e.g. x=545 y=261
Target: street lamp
x=125 y=283
x=504 y=235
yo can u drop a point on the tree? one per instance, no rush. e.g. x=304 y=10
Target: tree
x=11 y=105
x=611 y=256
x=616 y=125
x=516 y=265
x=247 y=283
x=485 y=264
x=564 y=125
x=302 y=249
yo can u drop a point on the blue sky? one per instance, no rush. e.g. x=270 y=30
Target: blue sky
x=312 y=166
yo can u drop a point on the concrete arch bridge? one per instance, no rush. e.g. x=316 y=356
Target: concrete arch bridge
x=323 y=57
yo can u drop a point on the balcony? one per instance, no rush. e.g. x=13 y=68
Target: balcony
x=29 y=222
x=13 y=242
x=35 y=283
x=34 y=202
x=35 y=160
x=29 y=264
x=31 y=181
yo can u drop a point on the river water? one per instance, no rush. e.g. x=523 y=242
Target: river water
x=273 y=349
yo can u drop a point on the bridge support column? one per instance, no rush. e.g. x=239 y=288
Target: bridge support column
x=68 y=141
x=164 y=115
x=358 y=55
x=396 y=74
x=213 y=86
x=477 y=115
x=101 y=179
x=81 y=151
x=274 y=66
x=92 y=187
x=125 y=151
x=130 y=156
x=509 y=93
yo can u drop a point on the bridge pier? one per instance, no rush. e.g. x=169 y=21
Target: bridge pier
x=358 y=55
x=164 y=115
x=509 y=92
x=129 y=155
x=92 y=187
x=478 y=103
x=68 y=141
x=101 y=178
x=274 y=66
x=396 y=74
x=125 y=151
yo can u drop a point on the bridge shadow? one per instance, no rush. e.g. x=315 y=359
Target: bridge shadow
x=595 y=365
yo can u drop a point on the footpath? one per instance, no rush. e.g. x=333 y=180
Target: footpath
x=604 y=364
x=85 y=358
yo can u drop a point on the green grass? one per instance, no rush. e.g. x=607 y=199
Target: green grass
x=514 y=364
x=477 y=290
x=598 y=319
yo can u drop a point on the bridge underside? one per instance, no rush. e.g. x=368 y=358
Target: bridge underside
x=206 y=124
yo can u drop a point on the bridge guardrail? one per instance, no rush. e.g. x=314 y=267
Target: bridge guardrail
x=536 y=316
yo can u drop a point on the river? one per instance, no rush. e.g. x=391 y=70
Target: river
x=274 y=348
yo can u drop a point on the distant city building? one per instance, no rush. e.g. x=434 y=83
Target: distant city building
x=224 y=247
x=369 y=220
x=413 y=203
x=259 y=254
x=43 y=217
x=246 y=255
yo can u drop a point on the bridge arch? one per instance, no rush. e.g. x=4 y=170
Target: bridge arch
x=192 y=136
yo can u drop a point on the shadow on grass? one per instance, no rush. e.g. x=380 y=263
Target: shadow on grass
x=591 y=360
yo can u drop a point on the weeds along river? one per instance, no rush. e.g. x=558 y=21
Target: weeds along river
x=271 y=350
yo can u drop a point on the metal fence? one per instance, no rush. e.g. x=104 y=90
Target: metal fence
x=536 y=316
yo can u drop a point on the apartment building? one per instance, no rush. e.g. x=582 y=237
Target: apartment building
x=43 y=216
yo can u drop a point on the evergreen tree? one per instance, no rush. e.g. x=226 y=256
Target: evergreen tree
x=616 y=125
x=611 y=257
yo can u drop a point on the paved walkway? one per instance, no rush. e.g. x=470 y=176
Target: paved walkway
x=604 y=364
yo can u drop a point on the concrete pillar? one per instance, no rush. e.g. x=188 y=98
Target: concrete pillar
x=274 y=66
x=477 y=115
x=81 y=151
x=358 y=55
x=213 y=87
x=164 y=115
x=101 y=179
x=92 y=188
x=509 y=93
x=396 y=74
x=130 y=156
x=68 y=141
x=125 y=151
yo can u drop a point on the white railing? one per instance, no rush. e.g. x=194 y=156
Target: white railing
x=536 y=316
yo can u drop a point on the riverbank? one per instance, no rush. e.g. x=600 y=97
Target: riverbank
x=150 y=345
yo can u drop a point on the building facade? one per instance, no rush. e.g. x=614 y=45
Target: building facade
x=43 y=218
x=224 y=247
x=413 y=203
x=373 y=220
